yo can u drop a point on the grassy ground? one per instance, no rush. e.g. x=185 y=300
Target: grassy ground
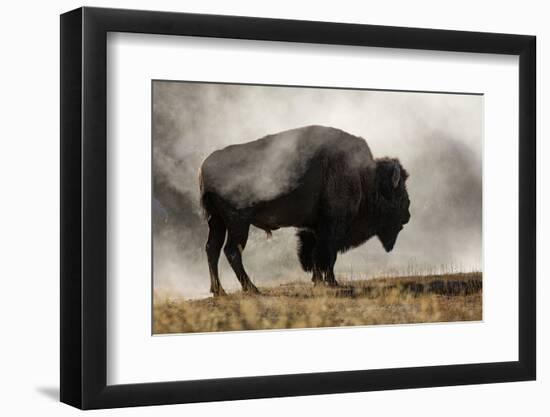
x=413 y=299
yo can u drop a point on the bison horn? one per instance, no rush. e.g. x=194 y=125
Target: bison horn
x=396 y=175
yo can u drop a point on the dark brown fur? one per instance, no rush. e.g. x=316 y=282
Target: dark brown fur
x=320 y=180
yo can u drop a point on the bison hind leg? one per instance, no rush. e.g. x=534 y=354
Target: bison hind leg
x=237 y=235
x=216 y=237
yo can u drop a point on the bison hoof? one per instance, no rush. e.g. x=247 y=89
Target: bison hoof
x=332 y=284
x=218 y=293
x=251 y=289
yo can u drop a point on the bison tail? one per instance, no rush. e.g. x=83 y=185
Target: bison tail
x=306 y=244
x=205 y=201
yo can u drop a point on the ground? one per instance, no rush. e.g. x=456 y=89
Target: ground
x=411 y=299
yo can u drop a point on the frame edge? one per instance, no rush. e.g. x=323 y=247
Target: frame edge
x=70 y=204
x=527 y=273
x=83 y=212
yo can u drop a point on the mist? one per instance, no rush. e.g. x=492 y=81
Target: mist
x=437 y=137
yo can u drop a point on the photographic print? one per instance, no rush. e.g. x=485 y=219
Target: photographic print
x=288 y=207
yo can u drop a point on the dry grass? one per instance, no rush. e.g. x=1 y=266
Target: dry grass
x=413 y=299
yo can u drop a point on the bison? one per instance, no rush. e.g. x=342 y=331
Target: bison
x=320 y=180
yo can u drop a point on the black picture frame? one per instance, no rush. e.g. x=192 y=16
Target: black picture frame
x=84 y=207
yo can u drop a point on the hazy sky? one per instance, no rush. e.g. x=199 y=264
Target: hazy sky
x=437 y=137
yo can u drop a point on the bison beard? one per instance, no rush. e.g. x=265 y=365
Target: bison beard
x=320 y=180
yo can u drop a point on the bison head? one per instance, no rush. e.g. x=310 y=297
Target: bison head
x=393 y=201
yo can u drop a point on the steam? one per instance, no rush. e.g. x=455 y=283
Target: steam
x=250 y=181
x=437 y=137
x=272 y=166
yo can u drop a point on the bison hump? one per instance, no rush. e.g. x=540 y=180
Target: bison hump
x=265 y=169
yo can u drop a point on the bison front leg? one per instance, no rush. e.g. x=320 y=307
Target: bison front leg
x=330 y=279
x=325 y=258
x=236 y=242
x=306 y=248
x=317 y=277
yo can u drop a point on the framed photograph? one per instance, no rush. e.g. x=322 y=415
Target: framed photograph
x=257 y=208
